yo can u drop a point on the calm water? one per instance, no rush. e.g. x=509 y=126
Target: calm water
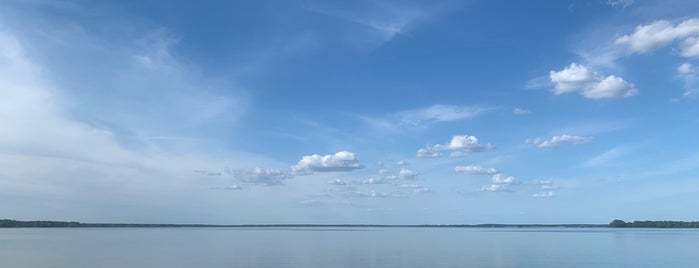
x=347 y=247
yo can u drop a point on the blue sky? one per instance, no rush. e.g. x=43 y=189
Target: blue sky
x=395 y=112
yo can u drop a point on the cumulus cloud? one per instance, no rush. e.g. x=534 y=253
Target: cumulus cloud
x=689 y=76
x=475 y=170
x=401 y=163
x=260 y=176
x=556 y=141
x=500 y=183
x=495 y=188
x=439 y=113
x=590 y=84
x=406 y=174
x=686 y=68
x=690 y=47
x=428 y=153
x=658 y=34
x=502 y=179
x=340 y=161
x=459 y=145
x=520 y=111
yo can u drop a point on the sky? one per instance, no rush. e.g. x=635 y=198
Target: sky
x=357 y=112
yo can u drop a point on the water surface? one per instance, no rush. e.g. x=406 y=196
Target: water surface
x=348 y=247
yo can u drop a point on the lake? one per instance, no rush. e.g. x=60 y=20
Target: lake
x=348 y=247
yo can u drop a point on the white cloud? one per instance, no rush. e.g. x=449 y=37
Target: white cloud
x=556 y=141
x=620 y=3
x=310 y=202
x=590 y=84
x=609 y=88
x=260 y=176
x=233 y=187
x=458 y=154
x=475 y=170
x=500 y=183
x=63 y=150
x=657 y=34
x=502 y=179
x=342 y=189
x=406 y=174
x=401 y=163
x=340 y=161
x=690 y=47
x=415 y=188
x=376 y=181
x=689 y=76
x=428 y=153
x=377 y=194
x=520 y=111
x=338 y=182
x=543 y=194
x=572 y=78
x=459 y=144
x=686 y=68
x=439 y=113
x=495 y=188
x=546 y=184
x=383 y=21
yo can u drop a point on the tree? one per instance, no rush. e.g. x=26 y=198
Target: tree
x=617 y=224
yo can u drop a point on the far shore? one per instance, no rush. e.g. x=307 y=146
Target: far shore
x=73 y=224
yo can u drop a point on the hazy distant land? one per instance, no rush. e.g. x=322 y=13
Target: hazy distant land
x=7 y=223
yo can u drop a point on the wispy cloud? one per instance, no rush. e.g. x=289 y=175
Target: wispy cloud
x=556 y=141
x=475 y=170
x=620 y=3
x=520 y=111
x=260 y=176
x=382 y=20
x=689 y=76
x=607 y=158
x=78 y=123
x=439 y=113
x=543 y=194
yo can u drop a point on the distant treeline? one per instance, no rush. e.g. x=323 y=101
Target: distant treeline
x=654 y=224
x=45 y=224
x=13 y=223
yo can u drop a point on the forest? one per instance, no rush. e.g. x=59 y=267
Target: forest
x=654 y=224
